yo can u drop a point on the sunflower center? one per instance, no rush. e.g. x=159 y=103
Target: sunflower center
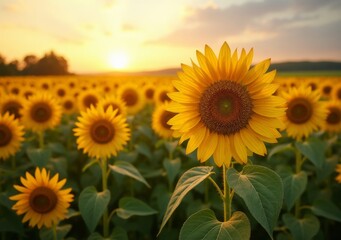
x=130 y=97
x=13 y=108
x=61 y=92
x=165 y=117
x=43 y=200
x=149 y=93
x=164 y=97
x=225 y=107
x=41 y=112
x=327 y=89
x=5 y=135
x=334 y=116
x=89 y=100
x=102 y=132
x=299 y=110
x=68 y=105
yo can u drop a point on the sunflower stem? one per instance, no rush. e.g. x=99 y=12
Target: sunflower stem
x=54 y=230
x=41 y=139
x=227 y=197
x=217 y=187
x=298 y=166
x=105 y=187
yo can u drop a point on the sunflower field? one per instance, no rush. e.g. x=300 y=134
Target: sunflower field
x=223 y=150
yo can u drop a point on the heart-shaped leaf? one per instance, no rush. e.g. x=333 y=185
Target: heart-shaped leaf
x=204 y=225
x=302 y=229
x=327 y=209
x=314 y=150
x=262 y=191
x=92 y=205
x=38 y=156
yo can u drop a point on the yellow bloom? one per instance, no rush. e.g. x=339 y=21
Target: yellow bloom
x=132 y=96
x=224 y=107
x=42 y=199
x=12 y=104
x=69 y=104
x=333 y=120
x=338 y=170
x=115 y=102
x=11 y=135
x=41 y=112
x=305 y=112
x=336 y=92
x=88 y=98
x=161 y=92
x=101 y=133
x=160 y=118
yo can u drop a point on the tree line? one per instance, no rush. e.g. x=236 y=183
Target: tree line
x=49 y=64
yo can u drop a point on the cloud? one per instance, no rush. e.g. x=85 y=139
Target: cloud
x=253 y=21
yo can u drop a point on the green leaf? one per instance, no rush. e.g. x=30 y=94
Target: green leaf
x=262 y=191
x=10 y=222
x=39 y=157
x=186 y=183
x=127 y=169
x=280 y=148
x=129 y=206
x=118 y=234
x=172 y=168
x=47 y=233
x=204 y=225
x=294 y=186
x=92 y=205
x=314 y=150
x=144 y=149
x=327 y=209
x=302 y=229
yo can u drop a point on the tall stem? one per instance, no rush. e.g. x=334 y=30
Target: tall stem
x=41 y=139
x=298 y=166
x=227 y=198
x=54 y=230
x=105 y=187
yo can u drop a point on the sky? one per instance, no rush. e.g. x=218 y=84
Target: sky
x=135 y=35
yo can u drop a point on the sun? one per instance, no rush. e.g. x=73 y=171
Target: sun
x=118 y=60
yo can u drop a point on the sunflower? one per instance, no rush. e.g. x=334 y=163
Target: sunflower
x=11 y=135
x=68 y=104
x=161 y=92
x=115 y=102
x=101 y=133
x=133 y=98
x=160 y=118
x=42 y=199
x=336 y=93
x=149 y=91
x=333 y=120
x=88 y=98
x=41 y=112
x=305 y=113
x=60 y=90
x=326 y=88
x=338 y=170
x=224 y=107
x=12 y=104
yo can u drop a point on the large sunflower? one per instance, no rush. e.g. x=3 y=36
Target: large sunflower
x=305 y=113
x=160 y=118
x=333 y=120
x=225 y=108
x=41 y=112
x=101 y=133
x=11 y=135
x=42 y=199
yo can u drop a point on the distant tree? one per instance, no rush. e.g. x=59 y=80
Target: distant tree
x=51 y=64
x=29 y=64
x=10 y=69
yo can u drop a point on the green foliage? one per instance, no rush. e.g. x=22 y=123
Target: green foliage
x=326 y=208
x=47 y=233
x=186 y=183
x=92 y=205
x=314 y=150
x=129 y=206
x=262 y=191
x=38 y=156
x=204 y=225
x=303 y=228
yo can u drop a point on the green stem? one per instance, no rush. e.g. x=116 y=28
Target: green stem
x=13 y=162
x=298 y=167
x=227 y=197
x=41 y=139
x=217 y=187
x=54 y=230
x=105 y=187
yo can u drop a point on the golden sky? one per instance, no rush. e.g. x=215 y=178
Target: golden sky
x=133 y=35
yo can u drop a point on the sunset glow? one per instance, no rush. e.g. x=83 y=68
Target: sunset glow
x=119 y=60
